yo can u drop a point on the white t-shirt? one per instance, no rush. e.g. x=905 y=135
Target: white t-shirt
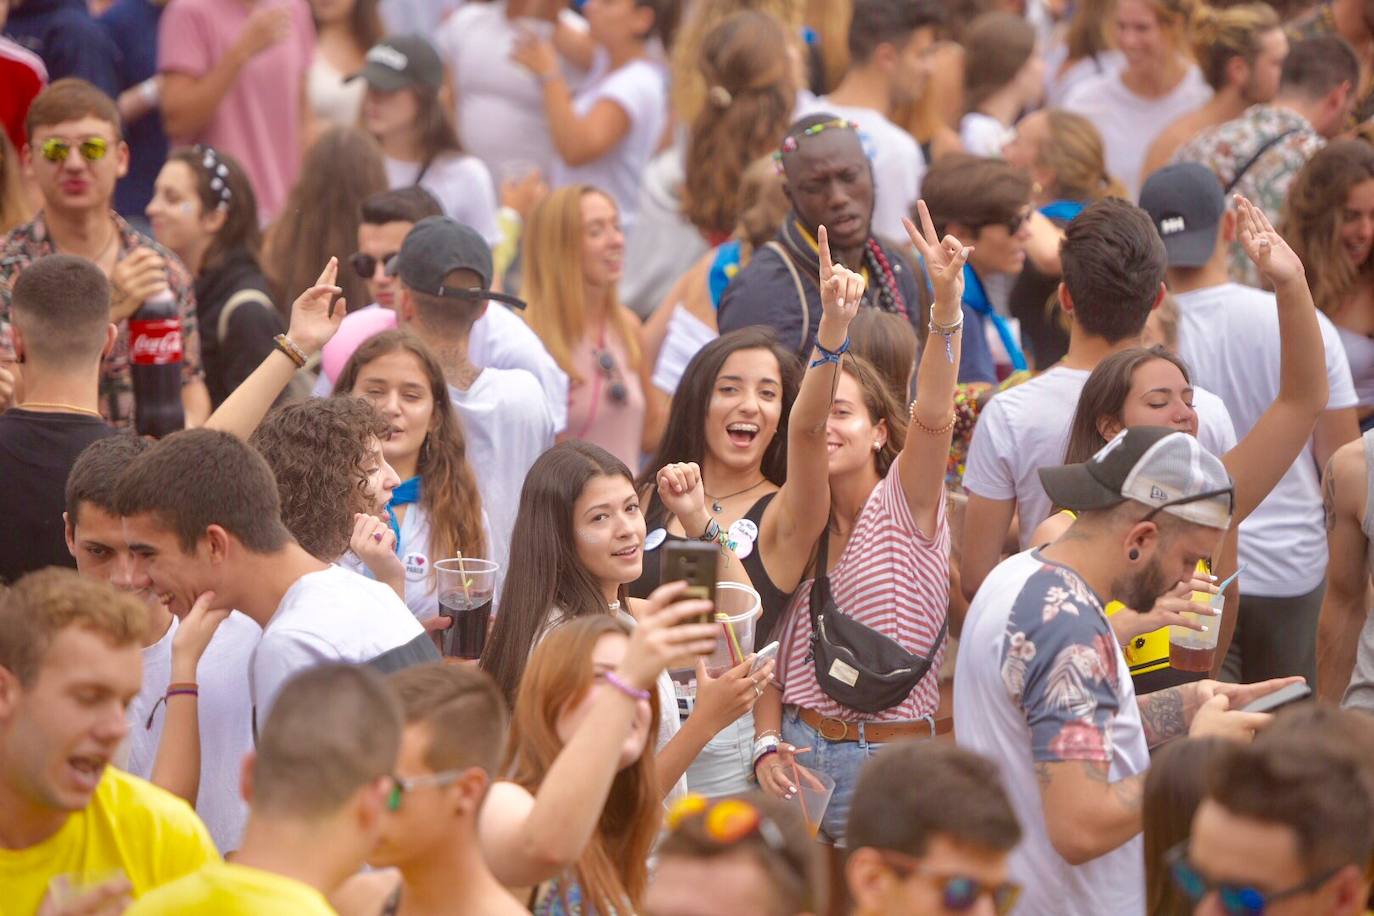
x=640 y=90
x=1129 y=123
x=334 y=99
x=1040 y=679
x=508 y=424
x=462 y=185
x=1229 y=337
x=898 y=164
x=334 y=615
x=226 y=722
x=983 y=135
x=1027 y=427
x=500 y=104
x=1058 y=85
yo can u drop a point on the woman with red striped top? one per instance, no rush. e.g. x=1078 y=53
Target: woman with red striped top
x=885 y=549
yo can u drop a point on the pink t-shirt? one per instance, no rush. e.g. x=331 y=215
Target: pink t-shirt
x=607 y=406
x=891 y=577
x=258 y=120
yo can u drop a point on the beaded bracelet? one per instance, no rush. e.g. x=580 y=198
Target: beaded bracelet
x=911 y=415
x=830 y=356
x=291 y=349
x=632 y=692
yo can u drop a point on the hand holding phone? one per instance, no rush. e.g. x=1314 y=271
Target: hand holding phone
x=763 y=655
x=1279 y=698
x=696 y=563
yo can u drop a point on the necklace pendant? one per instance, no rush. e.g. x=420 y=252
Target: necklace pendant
x=715 y=506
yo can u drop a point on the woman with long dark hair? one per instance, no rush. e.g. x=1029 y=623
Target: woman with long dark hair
x=436 y=512
x=578 y=542
x=204 y=210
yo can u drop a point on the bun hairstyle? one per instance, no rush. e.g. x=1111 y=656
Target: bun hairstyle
x=1218 y=35
x=1073 y=152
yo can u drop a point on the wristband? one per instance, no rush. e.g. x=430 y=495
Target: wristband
x=759 y=758
x=947 y=331
x=150 y=91
x=291 y=349
x=712 y=531
x=191 y=691
x=765 y=746
x=630 y=691
x=830 y=356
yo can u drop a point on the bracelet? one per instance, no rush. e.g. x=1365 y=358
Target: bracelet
x=911 y=415
x=765 y=734
x=182 y=685
x=759 y=758
x=947 y=331
x=291 y=349
x=191 y=691
x=830 y=356
x=712 y=531
x=150 y=91
x=632 y=692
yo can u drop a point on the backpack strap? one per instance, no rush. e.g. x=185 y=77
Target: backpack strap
x=781 y=252
x=1250 y=163
x=239 y=298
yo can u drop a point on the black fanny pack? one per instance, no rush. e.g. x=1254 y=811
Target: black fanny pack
x=855 y=664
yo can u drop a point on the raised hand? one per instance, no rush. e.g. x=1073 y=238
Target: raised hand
x=315 y=315
x=375 y=544
x=193 y=635
x=137 y=276
x=944 y=263
x=534 y=54
x=1277 y=262
x=681 y=490
x=667 y=635
x=841 y=288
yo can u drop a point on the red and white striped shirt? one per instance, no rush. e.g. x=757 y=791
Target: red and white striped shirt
x=892 y=578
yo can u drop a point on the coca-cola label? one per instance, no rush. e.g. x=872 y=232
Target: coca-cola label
x=155 y=343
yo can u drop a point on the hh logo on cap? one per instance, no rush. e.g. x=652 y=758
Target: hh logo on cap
x=388 y=57
x=1157 y=493
x=1170 y=226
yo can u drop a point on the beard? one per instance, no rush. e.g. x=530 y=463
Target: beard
x=1139 y=591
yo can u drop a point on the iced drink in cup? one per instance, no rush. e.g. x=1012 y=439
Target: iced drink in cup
x=814 y=789
x=737 y=610
x=1195 y=650
x=466 y=586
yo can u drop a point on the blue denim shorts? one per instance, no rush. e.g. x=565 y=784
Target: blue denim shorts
x=840 y=760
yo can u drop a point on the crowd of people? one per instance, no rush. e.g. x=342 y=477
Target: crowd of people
x=686 y=457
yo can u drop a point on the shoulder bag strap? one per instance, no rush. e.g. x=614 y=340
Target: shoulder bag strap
x=1250 y=163
x=781 y=252
x=239 y=298
x=820 y=582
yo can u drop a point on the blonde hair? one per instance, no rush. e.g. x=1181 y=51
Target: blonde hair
x=44 y=603
x=689 y=85
x=553 y=280
x=1074 y=152
x=1218 y=35
x=1175 y=20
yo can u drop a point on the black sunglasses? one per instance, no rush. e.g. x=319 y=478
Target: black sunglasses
x=616 y=391
x=365 y=265
x=1235 y=899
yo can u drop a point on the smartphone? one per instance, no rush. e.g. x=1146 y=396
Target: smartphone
x=764 y=654
x=696 y=563
x=1281 y=697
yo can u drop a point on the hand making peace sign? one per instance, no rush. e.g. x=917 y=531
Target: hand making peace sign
x=944 y=263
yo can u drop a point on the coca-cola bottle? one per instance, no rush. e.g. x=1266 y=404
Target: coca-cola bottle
x=155 y=360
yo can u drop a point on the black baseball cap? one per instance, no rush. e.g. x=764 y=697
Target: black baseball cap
x=1186 y=202
x=435 y=247
x=402 y=61
x=1161 y=468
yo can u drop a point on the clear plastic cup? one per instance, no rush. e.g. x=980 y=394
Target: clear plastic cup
x=814 y=789
x=1195 y=650
x=466 y=586
x=737 y=611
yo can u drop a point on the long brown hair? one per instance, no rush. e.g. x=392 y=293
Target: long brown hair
x=552 y=286
x=320 y=218
x=613 y=870
x=1088 y=33
x=364 y=24
x=750 y=97
x=240 y=231
x=882 y=403
x=1174 y=788
x=689 y=87
x=449 y=495
x=1074 y=153
x=1104 y=395
x=1312 y=216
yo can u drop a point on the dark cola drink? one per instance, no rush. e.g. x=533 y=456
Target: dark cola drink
x=471 y=614
x=155 y=357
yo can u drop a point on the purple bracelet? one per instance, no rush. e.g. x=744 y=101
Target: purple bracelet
x=633 y=693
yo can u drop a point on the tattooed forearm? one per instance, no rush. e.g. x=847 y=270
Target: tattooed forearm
x=1162 y=716
x=1329 y=493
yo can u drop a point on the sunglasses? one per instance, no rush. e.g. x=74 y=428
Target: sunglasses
x=616 y=391
x=730 y=821
x=365 y=265
x=1235 y=899
x=959 y=893
x=400 y=785
x=92 y=149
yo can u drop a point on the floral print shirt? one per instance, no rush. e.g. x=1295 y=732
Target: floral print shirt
x=29 y=242
x=1226 y=148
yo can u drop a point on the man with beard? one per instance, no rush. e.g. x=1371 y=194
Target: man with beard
x=1042 y=685
x=1352 y=20
x=829 y=181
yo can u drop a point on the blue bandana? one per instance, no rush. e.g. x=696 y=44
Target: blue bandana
x=976 y=298
x=407 y=493
x=1063 y=211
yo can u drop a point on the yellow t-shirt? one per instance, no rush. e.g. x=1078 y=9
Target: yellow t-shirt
x=130 y=827
x=225 y=889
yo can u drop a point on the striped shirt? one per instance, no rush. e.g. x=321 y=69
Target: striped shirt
x=892 y=578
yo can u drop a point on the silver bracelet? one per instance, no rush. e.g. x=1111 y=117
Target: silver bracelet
x=947 y=331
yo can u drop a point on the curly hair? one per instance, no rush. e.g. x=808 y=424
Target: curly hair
x=319 y=451
x=749 y=106
x=1312 y=215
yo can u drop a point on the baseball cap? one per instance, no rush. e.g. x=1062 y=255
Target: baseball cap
x=1186 y=202
x=1161 y=468
x=401 y=61
x=435 y=247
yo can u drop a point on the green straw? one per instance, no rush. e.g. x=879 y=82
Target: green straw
x=736 y=653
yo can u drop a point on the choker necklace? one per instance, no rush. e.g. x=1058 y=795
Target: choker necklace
x=715 y=500
x=30 y=405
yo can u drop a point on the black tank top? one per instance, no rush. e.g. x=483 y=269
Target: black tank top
x=772 y=599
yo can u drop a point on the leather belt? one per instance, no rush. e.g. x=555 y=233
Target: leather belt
x=833 y=729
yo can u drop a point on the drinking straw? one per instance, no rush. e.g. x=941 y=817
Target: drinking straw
x=736 y=653
x=801 y=796
x=463 y=574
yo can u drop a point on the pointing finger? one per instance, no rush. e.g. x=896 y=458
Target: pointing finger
x=823 y=246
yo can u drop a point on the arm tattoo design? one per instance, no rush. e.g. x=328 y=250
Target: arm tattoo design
x=1162 y=716
x=1329 y=494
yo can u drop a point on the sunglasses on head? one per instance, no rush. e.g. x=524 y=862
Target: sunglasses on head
x=958 y=893
x=730 y=821
x=400 y=785
x=616 y=391
x=365 y=265
x=1235 y=899
x=92 y=149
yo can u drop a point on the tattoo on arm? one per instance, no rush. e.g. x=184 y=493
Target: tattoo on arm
x=1329 y=494
x=1162 y=716
x=1129 y=792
